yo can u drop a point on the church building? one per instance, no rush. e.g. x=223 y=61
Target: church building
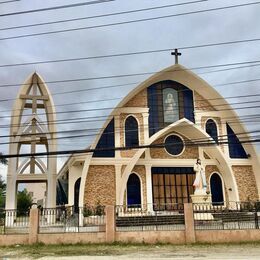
x=162 y=127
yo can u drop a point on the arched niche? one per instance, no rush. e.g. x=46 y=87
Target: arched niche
x=212 y=129
x=133 y=191
x=216 y=187
x=131 y=132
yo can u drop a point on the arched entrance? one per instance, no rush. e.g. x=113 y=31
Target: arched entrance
x=76 y=195
x=216 y=189
x=133 y=191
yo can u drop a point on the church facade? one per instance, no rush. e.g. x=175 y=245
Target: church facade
x=145 y=153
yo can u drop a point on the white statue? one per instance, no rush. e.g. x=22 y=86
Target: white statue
x=200 y=183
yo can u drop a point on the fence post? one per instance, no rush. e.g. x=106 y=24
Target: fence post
x=189 y=223
x=110 y=224
x=33 y=225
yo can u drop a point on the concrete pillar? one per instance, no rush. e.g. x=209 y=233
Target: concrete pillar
x=190 y=236
x=110 y=224
x=149 y=192
x=33 y=225
x=118 y=182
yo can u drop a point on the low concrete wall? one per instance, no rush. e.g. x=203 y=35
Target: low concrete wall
x=72 y=238
x=14 y=239
x=225 y=236
x=174 y=237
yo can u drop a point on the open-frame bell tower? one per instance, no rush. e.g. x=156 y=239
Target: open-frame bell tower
x=32 y=130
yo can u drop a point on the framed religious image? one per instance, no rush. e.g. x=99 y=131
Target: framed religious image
x=170 y=105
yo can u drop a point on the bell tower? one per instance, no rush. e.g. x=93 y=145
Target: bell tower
x=32 y=130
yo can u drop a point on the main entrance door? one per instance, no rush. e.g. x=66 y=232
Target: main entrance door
x=172 y=185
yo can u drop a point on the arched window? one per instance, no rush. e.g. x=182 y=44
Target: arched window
x=212 y=130
x=133 y=191
x=216 y=189
x=76 y=195
x=131 y=132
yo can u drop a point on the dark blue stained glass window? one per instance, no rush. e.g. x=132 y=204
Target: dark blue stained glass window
x=188 y=104
x=131 y=132
x=216 y=189
x=153 y=110
x=106 y=141
x=157 y=104
x=174 y=144
x=211 y=129
x=236 y=150
x=133 y=191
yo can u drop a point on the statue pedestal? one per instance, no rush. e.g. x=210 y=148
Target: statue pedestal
x=201 y=206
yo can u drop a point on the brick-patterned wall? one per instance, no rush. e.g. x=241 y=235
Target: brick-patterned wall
x=201 y=103
x=139 y=117
x=139 y=100
x=208 y=171
x=190 y=152
x=100 y=185
x=246 y=183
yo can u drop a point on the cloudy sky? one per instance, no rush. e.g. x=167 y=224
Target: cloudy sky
x=231 y=24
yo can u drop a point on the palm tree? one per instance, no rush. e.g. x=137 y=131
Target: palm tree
x=3 y=160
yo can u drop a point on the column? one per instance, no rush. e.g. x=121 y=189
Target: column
x=149 y=190
x=189 y=223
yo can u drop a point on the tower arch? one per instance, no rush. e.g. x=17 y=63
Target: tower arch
x=32 y=128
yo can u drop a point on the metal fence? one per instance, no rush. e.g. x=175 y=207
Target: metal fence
x=72 y=219
x=14 y=221
x=228 y=215
x=150 y=217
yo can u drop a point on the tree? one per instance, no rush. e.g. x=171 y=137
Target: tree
x=24 y=202
x=3 y=160
x=2 y=192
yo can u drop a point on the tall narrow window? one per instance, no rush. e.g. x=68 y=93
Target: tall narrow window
x=133 y=191
x=236 y=150
x=170 y=105
x=211 y=129
x=216 y=189
x=131 y=132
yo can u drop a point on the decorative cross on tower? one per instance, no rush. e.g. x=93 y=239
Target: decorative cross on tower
x=176 y=54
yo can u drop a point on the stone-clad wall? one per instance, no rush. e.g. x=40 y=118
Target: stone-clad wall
x=190 y=152
x=246 y=183
x=139 y=100
x=139 y=117
x=100 y=185
x=201 y=103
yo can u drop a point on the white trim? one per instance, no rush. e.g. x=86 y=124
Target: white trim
x=183 y=149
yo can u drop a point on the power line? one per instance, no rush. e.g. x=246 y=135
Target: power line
x=101 y=15
x=56 y=7
x=126 y=22
x=115 y=76
x=144 y=52
x=84 y=151
x=9 y=1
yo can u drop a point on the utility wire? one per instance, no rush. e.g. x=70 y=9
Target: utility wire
x=84 y=151
x=144 y=52
x=114 y=76
x=126 y=22
x=101 y=15
x=56 y=7
x=9 y=1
